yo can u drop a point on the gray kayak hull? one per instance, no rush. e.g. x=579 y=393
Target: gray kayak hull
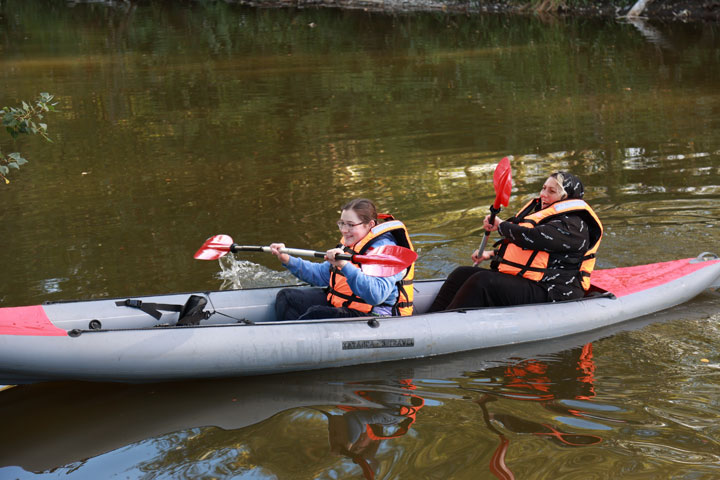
x=132 y=346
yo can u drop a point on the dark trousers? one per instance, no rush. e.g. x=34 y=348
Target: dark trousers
x=468 y=287
x=308 y=304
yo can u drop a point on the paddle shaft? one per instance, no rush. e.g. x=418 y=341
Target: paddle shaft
x=290 y=251
x=502 y=182
x=493 y=212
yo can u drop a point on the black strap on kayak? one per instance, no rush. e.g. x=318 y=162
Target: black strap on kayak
x=191 y=313
x=152 y=309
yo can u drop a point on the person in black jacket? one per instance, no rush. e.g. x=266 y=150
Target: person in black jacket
x=546 y=254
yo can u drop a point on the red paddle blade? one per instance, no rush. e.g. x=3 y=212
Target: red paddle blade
x=214 y=247
x=385 y=261
x=502 y=180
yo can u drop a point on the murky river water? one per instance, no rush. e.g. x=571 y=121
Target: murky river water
x=181 y=120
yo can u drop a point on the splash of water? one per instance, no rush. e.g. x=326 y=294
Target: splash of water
x=236 y=275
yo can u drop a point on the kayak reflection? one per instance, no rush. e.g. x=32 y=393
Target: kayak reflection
x=358 y=432
x=372 y=415
x=57 y=424
x=549 y=383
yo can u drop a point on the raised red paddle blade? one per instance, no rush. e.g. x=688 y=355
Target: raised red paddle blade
x=214 y=247
x=385 y=261
x=502 y=181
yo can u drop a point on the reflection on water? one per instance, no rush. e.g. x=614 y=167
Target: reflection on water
x=358 y=431
x=180 y=120
x=376 y=422
x=561 y=384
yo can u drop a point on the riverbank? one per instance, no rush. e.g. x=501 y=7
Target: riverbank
x=666 y=10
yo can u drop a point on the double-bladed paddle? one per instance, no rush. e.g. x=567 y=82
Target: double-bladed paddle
x=502 y=181
x=384 y=261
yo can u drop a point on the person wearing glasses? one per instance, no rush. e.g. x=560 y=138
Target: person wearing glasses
x=349 y=292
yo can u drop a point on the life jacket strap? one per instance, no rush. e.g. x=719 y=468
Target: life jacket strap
x=348 y=298
x=526 y=268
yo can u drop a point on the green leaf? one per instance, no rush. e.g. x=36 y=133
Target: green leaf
x=4 y=170
x=18 y=158
x=14 y=165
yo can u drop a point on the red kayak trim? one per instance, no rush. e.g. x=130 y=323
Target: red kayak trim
x=627 y=280
x=30 y=320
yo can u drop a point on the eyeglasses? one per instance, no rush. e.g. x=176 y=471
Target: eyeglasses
x=348 y=225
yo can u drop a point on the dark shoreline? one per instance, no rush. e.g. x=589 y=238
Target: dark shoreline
x=666 y=10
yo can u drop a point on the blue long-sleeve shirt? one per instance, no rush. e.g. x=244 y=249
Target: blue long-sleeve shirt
x=374 y=290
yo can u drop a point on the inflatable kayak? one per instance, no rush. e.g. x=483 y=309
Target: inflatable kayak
x=233 y=333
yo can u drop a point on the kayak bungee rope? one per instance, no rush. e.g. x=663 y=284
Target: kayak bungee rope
x=76 y=332
x=241 y=322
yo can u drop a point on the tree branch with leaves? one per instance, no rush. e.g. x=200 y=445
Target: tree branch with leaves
x=25 y=119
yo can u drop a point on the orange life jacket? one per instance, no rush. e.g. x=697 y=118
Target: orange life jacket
x=532 y=264
x=340 y=294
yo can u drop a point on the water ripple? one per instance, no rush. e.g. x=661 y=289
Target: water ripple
x=686 y=415
x=669 y=454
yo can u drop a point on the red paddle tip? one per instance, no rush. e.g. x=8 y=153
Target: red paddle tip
x=386 y=261
x=214 y=247
x=502 y=180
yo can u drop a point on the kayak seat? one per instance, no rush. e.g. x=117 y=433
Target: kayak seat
x=192 y=312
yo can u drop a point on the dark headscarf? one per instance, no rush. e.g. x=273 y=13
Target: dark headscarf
x=571 y=183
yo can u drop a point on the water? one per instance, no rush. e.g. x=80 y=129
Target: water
x=177 y=122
